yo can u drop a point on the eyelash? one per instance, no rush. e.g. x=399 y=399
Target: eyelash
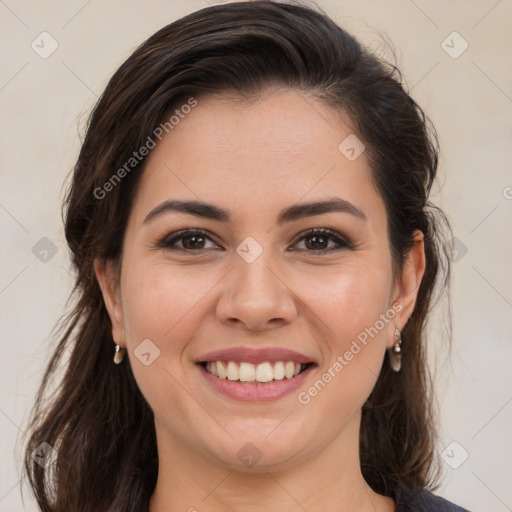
x=169 y=241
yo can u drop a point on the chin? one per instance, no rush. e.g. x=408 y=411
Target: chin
x=257 y=453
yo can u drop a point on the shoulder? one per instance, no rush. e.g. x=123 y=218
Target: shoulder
x=424 y=501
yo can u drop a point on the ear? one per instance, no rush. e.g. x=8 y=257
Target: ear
x=405 y=291
x=108 y=281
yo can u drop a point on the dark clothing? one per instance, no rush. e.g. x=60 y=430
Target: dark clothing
x=424 y=501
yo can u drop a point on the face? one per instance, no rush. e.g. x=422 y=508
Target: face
x=258 y=280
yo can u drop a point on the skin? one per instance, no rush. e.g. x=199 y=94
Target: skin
x=255 y=159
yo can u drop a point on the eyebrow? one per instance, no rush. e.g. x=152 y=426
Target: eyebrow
x=290 y=214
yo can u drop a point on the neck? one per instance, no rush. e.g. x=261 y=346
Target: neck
x=188 y=481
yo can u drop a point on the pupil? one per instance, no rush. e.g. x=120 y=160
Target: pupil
x=194 y=244
x=317 y=238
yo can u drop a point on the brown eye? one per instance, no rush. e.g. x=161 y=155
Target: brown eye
x=187 y=240
x=193 y=242
x=315 y=241
x=318 y=240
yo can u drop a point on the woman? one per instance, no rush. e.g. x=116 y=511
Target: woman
x=256 y=259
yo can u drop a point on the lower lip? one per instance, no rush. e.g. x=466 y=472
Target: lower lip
x=258 y=391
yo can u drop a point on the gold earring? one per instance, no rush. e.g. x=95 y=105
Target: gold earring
x=119 y=354
x=395 y=355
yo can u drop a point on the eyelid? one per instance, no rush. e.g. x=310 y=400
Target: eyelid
x=343 y=243
x=165 y=242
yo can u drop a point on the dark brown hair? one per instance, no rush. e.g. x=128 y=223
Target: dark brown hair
x=94 y=414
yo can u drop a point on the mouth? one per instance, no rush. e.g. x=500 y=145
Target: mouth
x=254 y=382
x=251 y=374
x=248 y=373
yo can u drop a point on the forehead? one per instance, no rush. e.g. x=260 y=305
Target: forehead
x=283 y=147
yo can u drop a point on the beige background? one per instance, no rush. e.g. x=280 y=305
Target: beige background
x=469 y=99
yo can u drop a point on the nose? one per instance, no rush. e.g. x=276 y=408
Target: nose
x=255 y=297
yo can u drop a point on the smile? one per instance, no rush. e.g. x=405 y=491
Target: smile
x=245 y=372
x=263 y=381
x=250 y=374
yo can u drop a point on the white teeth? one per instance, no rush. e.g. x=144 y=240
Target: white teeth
x=264 y=372
x=289 y=368
x=221 y=370
x=279 y=370
x=233 y=371
x=248 y=372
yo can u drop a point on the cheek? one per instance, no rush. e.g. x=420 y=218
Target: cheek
x=352 y=310
x=349 y=301
x=159 y=302
x=162 y=304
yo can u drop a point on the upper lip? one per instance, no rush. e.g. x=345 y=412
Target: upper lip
x=255 y=355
